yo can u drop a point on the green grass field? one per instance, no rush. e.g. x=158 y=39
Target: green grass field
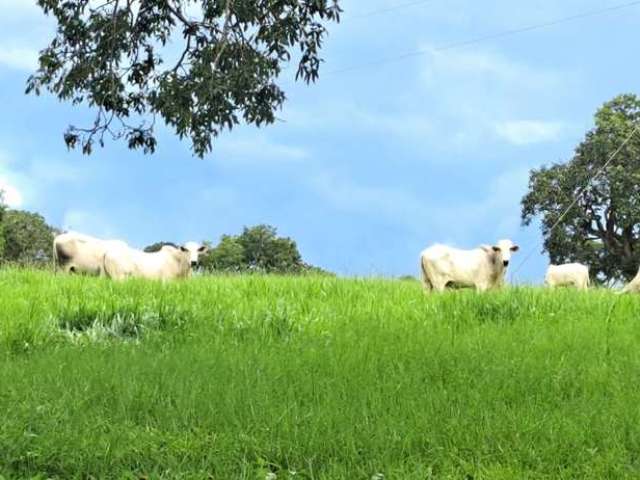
x=323 y=378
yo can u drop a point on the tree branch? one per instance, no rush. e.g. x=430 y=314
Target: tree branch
x=225 y=34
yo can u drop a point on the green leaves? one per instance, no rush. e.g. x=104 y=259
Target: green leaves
x=258 y=249
x=602 y=228
x=27 y=238
x=120 y=59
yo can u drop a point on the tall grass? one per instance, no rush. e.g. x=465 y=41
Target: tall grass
x=323 y=378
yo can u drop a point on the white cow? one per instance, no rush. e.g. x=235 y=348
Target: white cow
x=569 y=274
x=77 y=253
x=633 y=286
x=195 y=251
x=168 y=263
x=482 y=268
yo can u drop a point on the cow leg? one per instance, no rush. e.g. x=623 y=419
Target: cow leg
x=440 y=285
x=424 y=276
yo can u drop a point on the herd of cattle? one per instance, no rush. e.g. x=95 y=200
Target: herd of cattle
x=485 y=267
x=441 y=266
x=78 y=253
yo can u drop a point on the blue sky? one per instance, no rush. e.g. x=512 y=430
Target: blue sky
x=366 y=167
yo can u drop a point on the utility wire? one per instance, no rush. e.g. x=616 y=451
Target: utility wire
x=484 y=38
x=579 y=194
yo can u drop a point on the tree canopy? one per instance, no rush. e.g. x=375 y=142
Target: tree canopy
x=602 y=228
x=26 y=237
x=3 y=209
x=202 y=66
x=259 y=249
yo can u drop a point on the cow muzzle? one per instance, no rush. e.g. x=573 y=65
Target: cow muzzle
x=194 y=264
x=505 y=263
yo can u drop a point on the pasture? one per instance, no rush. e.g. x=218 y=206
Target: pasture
x=261 y=377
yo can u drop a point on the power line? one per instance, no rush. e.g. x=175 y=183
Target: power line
x=381 y=11
x=579 y=194
x=550 y=23
x=484 y=38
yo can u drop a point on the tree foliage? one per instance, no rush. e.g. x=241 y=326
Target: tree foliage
x=227 y=256
x=264 y=250
x=27 y=238
x=602 y=229
x=257 y=248
x=3 y=209
x=119 y=57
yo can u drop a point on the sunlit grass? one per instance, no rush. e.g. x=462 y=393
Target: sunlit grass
x=239 y=377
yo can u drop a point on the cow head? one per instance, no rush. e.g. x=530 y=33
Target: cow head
x=181 y=256
x=502 y=252
x=195 y=251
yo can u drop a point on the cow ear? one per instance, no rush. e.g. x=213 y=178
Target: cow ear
x=515 y=248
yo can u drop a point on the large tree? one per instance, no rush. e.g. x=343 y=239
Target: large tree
x=202 y=66
x=594 y=199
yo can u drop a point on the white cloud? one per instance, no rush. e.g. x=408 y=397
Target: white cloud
x=483 y=82
x=477 y=67
x=498 y=210
x=10 y=191
x=348 y=196
x=33 y=178
x=10 y=194
x=459 y=101
x=255 y=150
x=526 y=132
x=13 y=7
x=88 y=223
x=18 y=58
x=51 y=171
x=344 y=115
x=479 y=93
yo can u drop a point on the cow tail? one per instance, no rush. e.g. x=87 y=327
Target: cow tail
x=426 y=283
x=103 y=266
x=54 y=257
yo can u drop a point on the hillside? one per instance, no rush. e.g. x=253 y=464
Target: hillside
x=323 y=378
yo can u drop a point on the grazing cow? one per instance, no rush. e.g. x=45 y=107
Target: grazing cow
x=569 y=274
x=168 y=263
x=482 y=268
x=77 y=253
x=633 y=286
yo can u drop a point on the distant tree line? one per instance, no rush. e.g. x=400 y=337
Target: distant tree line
x=27 y=239
x=256 y=249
